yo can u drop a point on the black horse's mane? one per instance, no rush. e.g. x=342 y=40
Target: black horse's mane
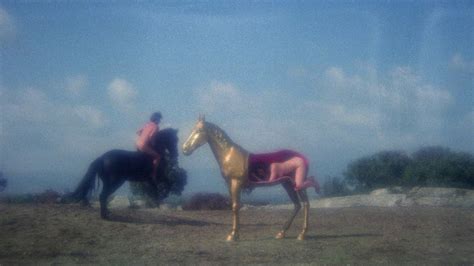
x=165 y=138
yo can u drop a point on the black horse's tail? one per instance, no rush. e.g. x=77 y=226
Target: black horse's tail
x=86 y=184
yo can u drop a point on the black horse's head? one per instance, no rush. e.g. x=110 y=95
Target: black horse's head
x=166 y=140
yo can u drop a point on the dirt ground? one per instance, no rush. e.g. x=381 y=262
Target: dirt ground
x=70 y=234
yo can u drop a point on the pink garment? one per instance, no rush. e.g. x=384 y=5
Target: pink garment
x=145 y=134
x=282 y=165
x=276 y=157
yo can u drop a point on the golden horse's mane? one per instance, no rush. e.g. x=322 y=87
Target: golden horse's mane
x=218 y=133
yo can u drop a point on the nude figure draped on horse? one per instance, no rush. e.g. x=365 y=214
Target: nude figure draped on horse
x=242 y=169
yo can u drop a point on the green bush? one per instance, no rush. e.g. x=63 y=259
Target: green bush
x=438 y=166
x=429 y=166
x=382 y=169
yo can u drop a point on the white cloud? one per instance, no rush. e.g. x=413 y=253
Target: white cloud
x=29 y=105
x=7 y=26
x=297 y=72
x=394 y=109
x=219 y=96
x=40 y=130
x=122 y=93
x=341 y=114
x=75 y=85
x=336 y=76
x=90 y=115
x=458 y=62
x=33 y=106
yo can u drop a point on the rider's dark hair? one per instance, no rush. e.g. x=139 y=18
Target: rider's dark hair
x=155 y=117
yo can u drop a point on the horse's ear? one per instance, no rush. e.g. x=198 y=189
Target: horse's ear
x=201 y=118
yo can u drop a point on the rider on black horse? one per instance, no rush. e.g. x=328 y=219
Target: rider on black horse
x=143 y=142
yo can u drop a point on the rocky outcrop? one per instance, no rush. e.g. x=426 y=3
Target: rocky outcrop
x=419 y=196
x=392 y=197
x=397 y=197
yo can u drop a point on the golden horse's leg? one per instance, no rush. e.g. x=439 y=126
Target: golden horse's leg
x=235 y=187
x=297 y=206
x=304 y=199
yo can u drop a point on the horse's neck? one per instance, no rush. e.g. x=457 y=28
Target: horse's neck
x=232 y=159
x=218 y=140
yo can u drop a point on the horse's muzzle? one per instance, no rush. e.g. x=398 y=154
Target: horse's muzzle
x=186 y=150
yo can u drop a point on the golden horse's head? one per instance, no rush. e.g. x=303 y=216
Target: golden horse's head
x=197 y=138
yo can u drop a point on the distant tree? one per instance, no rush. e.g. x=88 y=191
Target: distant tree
x=334 y=186
x=439 y=166
x=382 y=169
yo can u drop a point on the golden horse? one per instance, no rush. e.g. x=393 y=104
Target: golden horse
x=233 y=161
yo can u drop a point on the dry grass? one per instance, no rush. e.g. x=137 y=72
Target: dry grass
x=65 y=234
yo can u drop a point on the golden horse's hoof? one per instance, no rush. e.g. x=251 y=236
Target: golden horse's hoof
x=280 y=235
x=232 y=237
x=301 y=237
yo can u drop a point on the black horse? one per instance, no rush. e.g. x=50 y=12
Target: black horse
x=117 y=166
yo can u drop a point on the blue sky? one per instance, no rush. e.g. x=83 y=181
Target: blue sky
x=336 y=80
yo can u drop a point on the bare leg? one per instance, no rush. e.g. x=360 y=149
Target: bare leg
x=274 y=171
x=310 y=182
x=304 y=199
x=300 y=171
x=288 y=185
x=235 y=187
x=156 y=159
x=295 y=164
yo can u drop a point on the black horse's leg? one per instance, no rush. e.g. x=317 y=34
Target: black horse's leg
x=103 y=200
x=109 y=188
x=288 y=185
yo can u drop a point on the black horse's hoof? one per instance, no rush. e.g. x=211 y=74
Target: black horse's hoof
x=105 y=215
